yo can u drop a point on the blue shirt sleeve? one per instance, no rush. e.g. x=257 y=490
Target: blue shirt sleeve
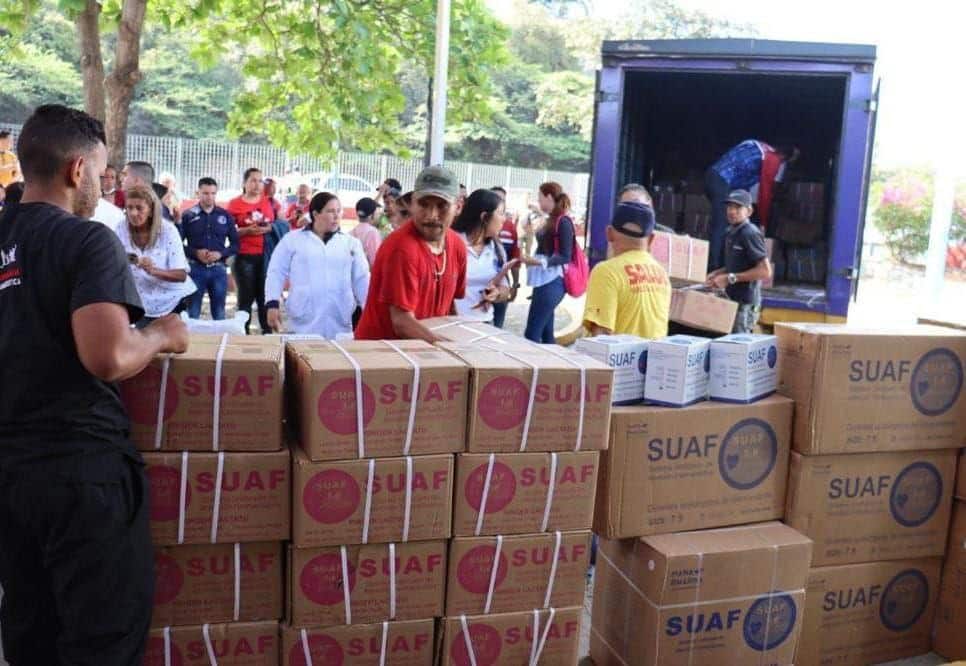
x=232 y=241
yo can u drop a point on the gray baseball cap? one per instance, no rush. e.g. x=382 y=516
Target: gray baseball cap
x=436 y=181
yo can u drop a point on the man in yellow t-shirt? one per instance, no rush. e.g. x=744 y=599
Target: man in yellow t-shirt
x=9 y=164
x=629 y=293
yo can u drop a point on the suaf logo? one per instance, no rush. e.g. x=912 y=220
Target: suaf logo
x=748 y=454
x=642 y=363
x=904 y=600
x=936 y=382
x=916 y=494
x=770 y=621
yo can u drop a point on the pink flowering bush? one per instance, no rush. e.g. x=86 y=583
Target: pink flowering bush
x=903 y=213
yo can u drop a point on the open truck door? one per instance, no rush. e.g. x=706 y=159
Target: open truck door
x=873 y=107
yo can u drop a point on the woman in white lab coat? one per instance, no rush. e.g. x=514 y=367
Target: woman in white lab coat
x=327 y=271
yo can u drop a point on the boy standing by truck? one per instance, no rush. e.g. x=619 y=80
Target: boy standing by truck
x=746 y=262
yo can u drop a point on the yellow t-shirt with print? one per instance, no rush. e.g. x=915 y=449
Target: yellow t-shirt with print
x=629 y=294
x=9 y=168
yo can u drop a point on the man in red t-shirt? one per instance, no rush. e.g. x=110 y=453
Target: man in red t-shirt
x=420 y=269
x=297 y=213
x=253 y=216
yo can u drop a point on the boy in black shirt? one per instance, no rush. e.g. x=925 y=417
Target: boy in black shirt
x=746 y=262
x=76 y=563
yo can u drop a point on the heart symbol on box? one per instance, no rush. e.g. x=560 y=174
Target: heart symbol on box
x=902 y=499
x=733 y=461
x=923 y=387
x=756 y=627
x=891 y=607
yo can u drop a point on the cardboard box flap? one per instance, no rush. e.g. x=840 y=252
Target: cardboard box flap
x=368 y=359
x=839 y=330
x=726 y=539
x=522 y=355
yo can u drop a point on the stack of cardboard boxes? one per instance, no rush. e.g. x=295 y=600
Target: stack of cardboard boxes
x=676 y=590
x=949 y=637
x=209 y=424
x=878 y=419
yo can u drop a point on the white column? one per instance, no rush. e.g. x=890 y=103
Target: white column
x=439 y=83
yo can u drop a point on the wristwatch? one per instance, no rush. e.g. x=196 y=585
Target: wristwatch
x=732 y=278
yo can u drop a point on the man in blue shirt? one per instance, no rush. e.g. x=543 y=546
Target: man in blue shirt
x=212 y=238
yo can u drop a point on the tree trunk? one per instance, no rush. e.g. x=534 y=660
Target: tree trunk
x=91 y=61
x=427 y=148
x=123 y=79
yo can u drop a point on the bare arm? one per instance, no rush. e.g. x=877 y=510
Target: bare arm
x=598 y=330
x=761 y=271
x=172 y=275
x=407 y=327
x=111 y=350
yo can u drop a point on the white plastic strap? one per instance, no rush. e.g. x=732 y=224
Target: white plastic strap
x=583 y=391
x=553 y=570
x=385 y=644
x=216 y=403
x=550 y=492
x=408 y=509
x=484 y=498
x=367 y=512
x=237 y=609
x=208 y=646
x=162 y=395
x=360 y=417
x=690 y=255
x=345 y=585
x=167 y=646
x=530 y=400
x=697 y=600
x=448 y=324
x=537 y=650
x=413 y=398
x=670 y=254
x=306 y=650
x=392 y=581
x=467 y=641
x=216 y=509
x=771 y=600
x=183 y=496
x=493 y=572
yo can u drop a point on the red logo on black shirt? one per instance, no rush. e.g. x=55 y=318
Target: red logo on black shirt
x=9 y=270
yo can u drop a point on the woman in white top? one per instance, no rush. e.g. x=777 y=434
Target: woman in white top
x=156 y=254
x=479 y=225
x=327 y=270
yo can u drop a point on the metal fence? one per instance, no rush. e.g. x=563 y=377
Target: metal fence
x=190 y=159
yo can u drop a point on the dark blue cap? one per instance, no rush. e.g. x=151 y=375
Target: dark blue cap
x=633 y=219
x=740 y=197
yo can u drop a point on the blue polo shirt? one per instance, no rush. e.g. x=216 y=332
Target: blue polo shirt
x=209 y=231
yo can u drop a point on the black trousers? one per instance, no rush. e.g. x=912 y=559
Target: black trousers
x=250 y=279
x=76 y=565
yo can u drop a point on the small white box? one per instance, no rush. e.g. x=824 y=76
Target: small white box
x=677 y=370
x=627 y=354
x=744 y=367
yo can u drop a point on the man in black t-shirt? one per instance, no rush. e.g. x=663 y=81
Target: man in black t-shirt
x=76 y=563
x=746 y=262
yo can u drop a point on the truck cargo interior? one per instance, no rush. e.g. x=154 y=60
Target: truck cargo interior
x=676 y=124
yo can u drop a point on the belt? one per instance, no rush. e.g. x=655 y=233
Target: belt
x=214 y=263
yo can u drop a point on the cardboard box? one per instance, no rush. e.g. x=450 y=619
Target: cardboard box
x=961 y=476
x=457 y=329
x=708 y=465
x=508 y=638
x=324 y=384
x=702 y=310
x=317 y=592
x=501 y=381
x=525 y=576
x=250 y=399
x=873 y=506
x=198 y=584
x=253 y=504
x=678 y=370
x=528 y=492
x=235 y=643
x=949 y=630
x=743 y=367
x=683 y=257
x=627 y=355
x=729 y=596
x=869 y=613
x=406 y=644
x=800 y=213
x=329 y=500
x=858 y=390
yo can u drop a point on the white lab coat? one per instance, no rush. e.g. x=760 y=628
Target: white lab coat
x=327 y=281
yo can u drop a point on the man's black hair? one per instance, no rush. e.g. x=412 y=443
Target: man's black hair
x=143 y=170
x=53 y=136
x=207 y=180
x=394 y=184
x=4 y=134
x=498 y=188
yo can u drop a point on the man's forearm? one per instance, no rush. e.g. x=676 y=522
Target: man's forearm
x=407 y=327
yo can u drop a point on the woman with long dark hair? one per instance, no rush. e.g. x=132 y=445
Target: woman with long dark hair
x=545 y=269
x=479 y=225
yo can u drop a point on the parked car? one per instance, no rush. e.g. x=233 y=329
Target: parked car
x=349 y=188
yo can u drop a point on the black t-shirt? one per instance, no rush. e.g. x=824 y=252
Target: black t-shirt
x=744 y=248
x=52 y=410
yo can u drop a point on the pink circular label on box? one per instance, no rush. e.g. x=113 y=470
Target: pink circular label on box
x=140 y=396
x=476 y=567
x=503 y=487
x=337 y=406
x=165 y=485
x=154 y=653
x=503 y=403
x=331 y=496
x=486 y=643
x=168 y=579
x=323 y=649
x=321 y=579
